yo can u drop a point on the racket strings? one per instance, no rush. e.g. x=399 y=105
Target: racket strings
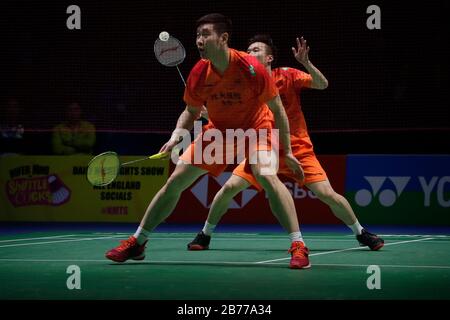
x=169 y=53
x=103 y=169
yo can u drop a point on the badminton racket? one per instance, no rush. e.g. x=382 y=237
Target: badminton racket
x=170 y=53
x=104 y=168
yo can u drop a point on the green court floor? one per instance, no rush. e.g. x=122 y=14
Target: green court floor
x=238 y=266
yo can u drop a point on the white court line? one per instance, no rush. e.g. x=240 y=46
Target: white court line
x=243 y=236
x=219 y=234
x=415 y=235
x=243 y=239
x=187 y=238
x=50 y=242
x=275 y=239
x=232 y=238
x=248 y=239
x=348 y=249
x=219 y=238
x=285 y=237
x=366 y=265
x=51 y=260
x=384 y=266
x=132 y=262
x=222 y=262
x=38 y=238
x=196 y=262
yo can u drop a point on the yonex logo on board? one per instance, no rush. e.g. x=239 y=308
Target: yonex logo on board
x=388 y=189
x=386 y=197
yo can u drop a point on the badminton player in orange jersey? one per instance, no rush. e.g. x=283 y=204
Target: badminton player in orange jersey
x=290 y=82
x=238 y=92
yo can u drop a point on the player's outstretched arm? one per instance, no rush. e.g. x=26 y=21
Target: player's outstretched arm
x=301 y=55
x=185 y=124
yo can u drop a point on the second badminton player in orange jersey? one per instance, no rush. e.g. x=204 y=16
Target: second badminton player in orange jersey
x=290 y=82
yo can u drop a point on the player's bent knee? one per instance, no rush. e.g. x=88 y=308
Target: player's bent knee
x=229 y=190
x=268 y=182
x=328 y=195
x=175 y=184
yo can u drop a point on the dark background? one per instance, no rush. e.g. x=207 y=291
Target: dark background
x=387 y=88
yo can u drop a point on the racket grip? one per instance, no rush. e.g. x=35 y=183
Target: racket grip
x=160 y=155
x=163 y=155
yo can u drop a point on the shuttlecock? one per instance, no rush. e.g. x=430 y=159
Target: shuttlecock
x=164 y=36
x=59 y=191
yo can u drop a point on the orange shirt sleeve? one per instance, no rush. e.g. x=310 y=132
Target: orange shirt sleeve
x=301 y=79
x=191 y=92
x=267 y=89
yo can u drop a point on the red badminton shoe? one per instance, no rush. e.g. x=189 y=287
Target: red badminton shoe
x=299 y=256
x=128 y=249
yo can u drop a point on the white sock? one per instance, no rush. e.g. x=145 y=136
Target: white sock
x=356 y=228
x=208 y=229
x=141 y=235
x=296 y=236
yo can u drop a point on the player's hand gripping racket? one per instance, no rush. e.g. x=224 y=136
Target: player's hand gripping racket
x=169 y=52
x=104 y=168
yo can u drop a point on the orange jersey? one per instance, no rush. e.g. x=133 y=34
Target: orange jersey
x=236 y=98
x=290 y=82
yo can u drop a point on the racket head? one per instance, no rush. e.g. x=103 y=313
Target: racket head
x=103 y=169
x=169 y=53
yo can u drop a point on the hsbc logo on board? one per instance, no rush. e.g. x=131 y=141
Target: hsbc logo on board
x=207 y=187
